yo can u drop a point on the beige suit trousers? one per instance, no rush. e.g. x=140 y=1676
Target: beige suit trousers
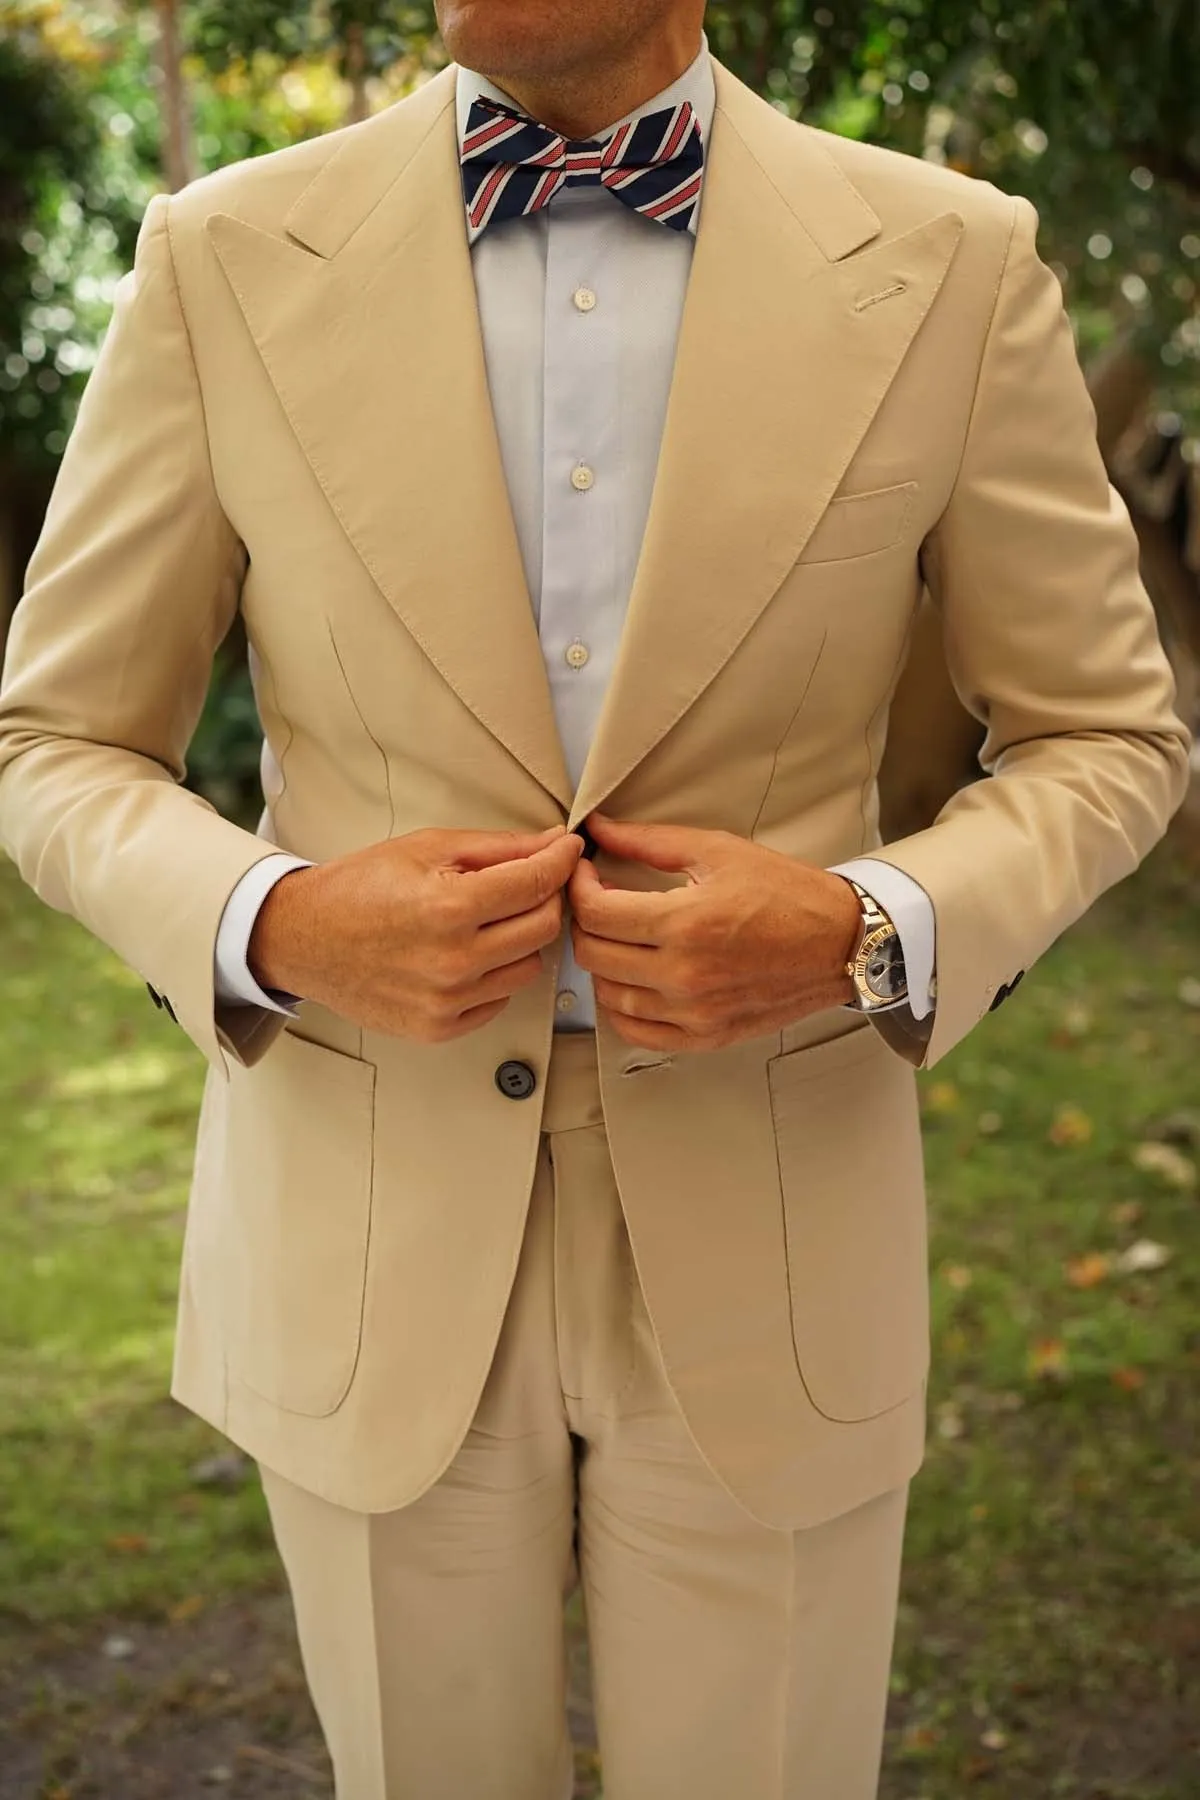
x=730 y=1661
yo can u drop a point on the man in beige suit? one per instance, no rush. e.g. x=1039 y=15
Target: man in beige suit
x=576 y=438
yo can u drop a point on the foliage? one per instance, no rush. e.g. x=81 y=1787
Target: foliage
x=1089 y=107
x=49 y=143
x=224 y=754
x=298 y=31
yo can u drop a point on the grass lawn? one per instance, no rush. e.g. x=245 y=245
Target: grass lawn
x=1049 y=1636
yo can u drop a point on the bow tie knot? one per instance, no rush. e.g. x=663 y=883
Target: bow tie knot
x=513 y=167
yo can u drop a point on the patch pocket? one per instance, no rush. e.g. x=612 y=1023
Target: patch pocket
x=861 y=524
x=298 y=1157
x=848 y=1138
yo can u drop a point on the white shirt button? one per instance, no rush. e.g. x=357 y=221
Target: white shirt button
x=584 y=298
x=567 y=1000
x=582 y=478
x=576 y=654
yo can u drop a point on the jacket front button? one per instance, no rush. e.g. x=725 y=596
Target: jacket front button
x=516 y=1080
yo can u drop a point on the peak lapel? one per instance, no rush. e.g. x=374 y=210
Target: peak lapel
x=370 y=336
x=788 y=344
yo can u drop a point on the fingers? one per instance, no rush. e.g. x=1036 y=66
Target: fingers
x=631 y=917
x=637 y=965
x=674 y=847
x=499 y=984
x=507 y=940
x=484 y=849
x=513 y=887
x=471 y=1020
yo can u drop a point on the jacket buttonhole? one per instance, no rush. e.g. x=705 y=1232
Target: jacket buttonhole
x=897 y=287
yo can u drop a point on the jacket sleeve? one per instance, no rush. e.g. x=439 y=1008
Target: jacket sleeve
x=133 y=584
x=1052 y=643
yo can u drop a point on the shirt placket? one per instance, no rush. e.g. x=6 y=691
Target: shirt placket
x=580 y=618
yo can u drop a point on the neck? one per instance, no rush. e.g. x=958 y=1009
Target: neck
x=582 y=102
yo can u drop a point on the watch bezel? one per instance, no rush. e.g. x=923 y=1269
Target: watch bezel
x=873 y=940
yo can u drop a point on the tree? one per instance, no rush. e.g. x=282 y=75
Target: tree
x=1089 y=107
x=370 y=43
x=48 y=144
x=178 y=156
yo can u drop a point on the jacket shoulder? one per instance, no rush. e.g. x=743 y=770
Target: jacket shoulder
x=261 y=190
x=906 y=190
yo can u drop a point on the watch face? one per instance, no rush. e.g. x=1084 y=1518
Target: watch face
x=884 y=973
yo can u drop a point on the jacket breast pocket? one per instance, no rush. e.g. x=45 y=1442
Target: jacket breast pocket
x=861 y=524
x=297 y=1179
x=848 y=1137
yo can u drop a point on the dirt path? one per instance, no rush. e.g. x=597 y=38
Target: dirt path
x=207 y=1707
x=215 y=1705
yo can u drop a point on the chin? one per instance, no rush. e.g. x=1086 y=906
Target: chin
x=511 y=37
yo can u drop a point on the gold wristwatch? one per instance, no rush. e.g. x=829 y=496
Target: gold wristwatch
x=877 y=966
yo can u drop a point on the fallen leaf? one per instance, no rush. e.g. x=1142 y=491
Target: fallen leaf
x=128 y=1543
x=1128 y=1212
x=1189 y=991
x=1048 y=1356
x=1129 y=1379
x=117 y=1648
x=919 y=1737
x=1176 y=1169
x=1142 y=1257
x=188 y=1608
x=1076 y=1021
x=1181 y=1128
x=1087 y=1271
x=229 y=1469
x=949 y=1420
x=271 y=1759
x=957 y=1276
x=990 y=1123
x=995 y=1739
x=1071 y=1126
x=979 y=1511
x=942 y=1097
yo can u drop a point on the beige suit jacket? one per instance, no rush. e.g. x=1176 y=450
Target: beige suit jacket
x=876 y=387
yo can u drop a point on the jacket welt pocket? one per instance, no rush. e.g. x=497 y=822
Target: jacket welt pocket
x=861 y=524
x=298 y=1176
x=847 y=1132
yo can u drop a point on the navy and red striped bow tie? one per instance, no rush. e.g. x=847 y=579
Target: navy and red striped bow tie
x=512 y=166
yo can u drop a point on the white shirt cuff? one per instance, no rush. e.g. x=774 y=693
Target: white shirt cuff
x=911 y=912
x=235 y=985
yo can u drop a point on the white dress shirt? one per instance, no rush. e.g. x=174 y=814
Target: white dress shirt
x=580 y=308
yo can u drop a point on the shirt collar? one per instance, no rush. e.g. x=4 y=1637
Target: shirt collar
x=697 y=84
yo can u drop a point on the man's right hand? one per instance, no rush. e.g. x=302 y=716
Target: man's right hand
x=426 y=936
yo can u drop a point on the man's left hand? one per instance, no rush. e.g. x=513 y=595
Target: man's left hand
x=755 y=941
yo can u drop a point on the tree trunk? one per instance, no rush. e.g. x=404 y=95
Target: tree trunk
x=176 y=114
x=355 y=65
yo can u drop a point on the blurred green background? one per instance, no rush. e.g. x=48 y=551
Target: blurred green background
x=1049 y=1638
